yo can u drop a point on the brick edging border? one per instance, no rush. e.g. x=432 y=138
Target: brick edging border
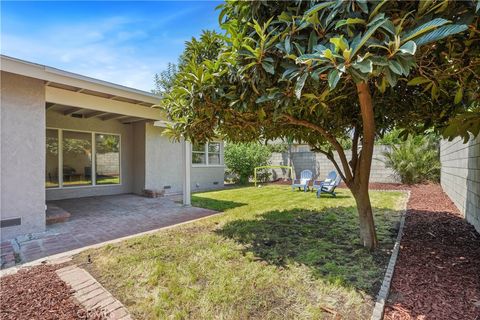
x=90 y=294
x=382 y=295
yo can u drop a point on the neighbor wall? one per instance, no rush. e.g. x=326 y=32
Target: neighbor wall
x=460 y=176
x=321 y=166
x=22 y=187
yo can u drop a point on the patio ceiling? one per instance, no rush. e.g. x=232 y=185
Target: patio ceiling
x=83 y=113
x=97 y=93
x=84 y=97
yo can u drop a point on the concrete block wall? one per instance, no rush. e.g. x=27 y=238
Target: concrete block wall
x=460 y=176
x=321 y=166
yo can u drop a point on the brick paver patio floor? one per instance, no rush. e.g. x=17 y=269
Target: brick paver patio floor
x=98 y=219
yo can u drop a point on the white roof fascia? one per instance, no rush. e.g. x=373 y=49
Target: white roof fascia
x=49 y=74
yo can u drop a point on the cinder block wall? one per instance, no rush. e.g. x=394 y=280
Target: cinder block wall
x=460 y=176
x=321 y=166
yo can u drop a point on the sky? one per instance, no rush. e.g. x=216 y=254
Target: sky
x=121 y=42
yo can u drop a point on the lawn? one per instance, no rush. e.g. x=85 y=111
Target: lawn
x=273 y=254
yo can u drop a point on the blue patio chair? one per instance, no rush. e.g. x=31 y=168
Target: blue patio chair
x=302 y=183
x=328 y=185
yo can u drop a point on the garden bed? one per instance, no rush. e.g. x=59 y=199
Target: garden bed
x=274 y=254
x=438 y=272
x=38 y=293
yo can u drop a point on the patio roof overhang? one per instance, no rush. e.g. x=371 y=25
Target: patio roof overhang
x=75 y=95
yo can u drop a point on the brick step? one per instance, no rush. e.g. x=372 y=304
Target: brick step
x=56 y=214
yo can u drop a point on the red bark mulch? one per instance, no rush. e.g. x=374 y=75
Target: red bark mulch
x=38 y=293
x=437 y=275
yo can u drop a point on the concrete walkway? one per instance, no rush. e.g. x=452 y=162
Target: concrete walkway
x=98 y=219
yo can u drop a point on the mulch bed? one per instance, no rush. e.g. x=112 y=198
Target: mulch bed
x=437 y=275
x=38 y=293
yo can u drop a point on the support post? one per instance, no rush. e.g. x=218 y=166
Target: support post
x=187 y=161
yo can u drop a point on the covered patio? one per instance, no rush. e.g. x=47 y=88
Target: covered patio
x=98 y=219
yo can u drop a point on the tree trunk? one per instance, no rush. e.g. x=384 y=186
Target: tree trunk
x=362 y=171
x=368 y=236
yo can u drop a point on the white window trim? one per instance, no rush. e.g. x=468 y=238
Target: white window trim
x=205 y=151
x=93 y=161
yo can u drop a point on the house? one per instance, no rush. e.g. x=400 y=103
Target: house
x=64 y=135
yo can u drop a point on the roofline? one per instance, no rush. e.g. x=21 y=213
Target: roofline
x=50 y=74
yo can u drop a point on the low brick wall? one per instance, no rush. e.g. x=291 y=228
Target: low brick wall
x=460 y=176
x=321 y=166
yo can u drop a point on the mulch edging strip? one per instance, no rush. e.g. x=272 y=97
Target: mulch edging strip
x=382 y=296
x=37 y=293
x=438 y=268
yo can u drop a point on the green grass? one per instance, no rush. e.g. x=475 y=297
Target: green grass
x=273 y=254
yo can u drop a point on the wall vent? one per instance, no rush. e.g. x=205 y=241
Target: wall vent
x=215 y=182
x=10 y=222
x=167 y=187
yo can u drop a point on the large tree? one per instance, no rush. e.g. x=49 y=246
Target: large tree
x=322 y=72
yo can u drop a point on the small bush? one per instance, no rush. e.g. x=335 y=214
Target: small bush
x=390 y=138
x=242 y=158
x=416 y=159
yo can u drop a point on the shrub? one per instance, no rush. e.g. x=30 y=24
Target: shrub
x=416 y=159
x=391 y=138
x=242 y=158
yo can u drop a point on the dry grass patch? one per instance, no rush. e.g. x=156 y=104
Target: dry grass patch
x=274 y=254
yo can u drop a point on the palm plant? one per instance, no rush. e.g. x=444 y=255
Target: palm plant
x=416 y=160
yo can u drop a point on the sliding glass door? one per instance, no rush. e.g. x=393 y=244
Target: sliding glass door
x=79 y=158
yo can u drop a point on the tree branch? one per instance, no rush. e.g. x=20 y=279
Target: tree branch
x=330 y=138
x=330 y=157
x=356 y=136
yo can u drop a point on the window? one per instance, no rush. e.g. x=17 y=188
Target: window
x=206 y=153
x=107 y=159
x=51 y=163
x=75 y=158
x=198 y=154
x=213 y=153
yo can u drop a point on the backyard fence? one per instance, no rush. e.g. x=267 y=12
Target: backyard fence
x=321 y=166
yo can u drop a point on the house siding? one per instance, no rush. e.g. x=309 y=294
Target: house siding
x=163 y=161
x=138 y=157
x=460 y=176
x=22 y=186
x=207 y=178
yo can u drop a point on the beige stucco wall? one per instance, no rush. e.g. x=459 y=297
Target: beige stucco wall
x=57 y=120
x=22 y=114
x=164 y=166
x=206 y=178
x=163 y=161
x=138 y=157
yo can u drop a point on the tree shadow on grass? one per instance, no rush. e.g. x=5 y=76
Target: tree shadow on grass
x=214 y=204
x=326 y=241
